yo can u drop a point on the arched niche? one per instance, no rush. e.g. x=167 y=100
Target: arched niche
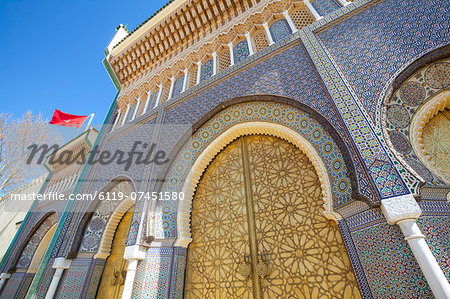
x=108 y=235
x=41 y=249
x=118 y=184
x=415 y=101
x=34 y=246
x=104 y=217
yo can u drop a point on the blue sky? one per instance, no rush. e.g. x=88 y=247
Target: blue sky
x=51 y=53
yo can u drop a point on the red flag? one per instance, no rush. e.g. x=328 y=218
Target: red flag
x=67 y=120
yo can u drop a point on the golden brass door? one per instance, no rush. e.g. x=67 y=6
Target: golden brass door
x=436 y=141
x=114 y=273
x=258 y=228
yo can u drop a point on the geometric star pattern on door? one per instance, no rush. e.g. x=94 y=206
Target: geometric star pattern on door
x=436 y=141
x=297 y=251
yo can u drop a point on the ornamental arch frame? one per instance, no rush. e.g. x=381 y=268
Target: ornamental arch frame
x=418 y=122
x=107 y=239
x=236 y=131
x=416 y=168
x=107 y=235
x=178 y=228
x=30 y=234
x=40 y=250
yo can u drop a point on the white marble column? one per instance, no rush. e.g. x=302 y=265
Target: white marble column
x=199 y=71
x=116 y=121
x=126 y=115
x=185 y=80
x=158 y=98
x=60 y=264
x=136 y=109
x=269 y=35
x=147 y=102
x=72 y=180
x=230 y=45
x=249 y=44
x=133 y=254
x=313 y=10
x=58 y=185
x=404 y=211
x=3 y=278
x=343 y=2
x=289 y=20
x=214 y=55
x=65 y=184
x=172 y=84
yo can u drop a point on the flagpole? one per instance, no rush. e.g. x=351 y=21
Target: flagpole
x=91 y=116
x=78 y=130
x=89 y=122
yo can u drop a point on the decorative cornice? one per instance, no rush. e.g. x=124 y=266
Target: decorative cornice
x=148 y=23
x=187 y=34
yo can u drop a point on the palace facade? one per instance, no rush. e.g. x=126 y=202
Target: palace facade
x=307 y=147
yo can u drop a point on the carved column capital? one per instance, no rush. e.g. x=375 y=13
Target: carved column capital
x=134 y=252
x=61 y=263
x=5 y=275
x=400 y=208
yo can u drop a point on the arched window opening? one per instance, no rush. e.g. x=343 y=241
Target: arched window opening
x=260 y=40
x=43 y=232
x=224 y=59
x=133 y=110
x=165 y=92
x=302 y=18
x=143 y=97
x=152 y=100
x=192 y=79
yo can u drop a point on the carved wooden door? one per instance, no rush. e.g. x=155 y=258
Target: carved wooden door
x=258 y=228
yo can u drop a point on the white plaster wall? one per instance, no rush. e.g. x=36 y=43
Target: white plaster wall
x=9 y=218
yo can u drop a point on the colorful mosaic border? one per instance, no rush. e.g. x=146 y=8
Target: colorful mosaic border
x=178 y=271
x=380 y=167
x=384 y=257
x=94 y=277
x=356 y=263
x=370 y=68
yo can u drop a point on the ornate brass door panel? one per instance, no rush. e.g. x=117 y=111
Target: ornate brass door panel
x=220 y=231
x=113 y=277
x=271 y=239
x=436 y=141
